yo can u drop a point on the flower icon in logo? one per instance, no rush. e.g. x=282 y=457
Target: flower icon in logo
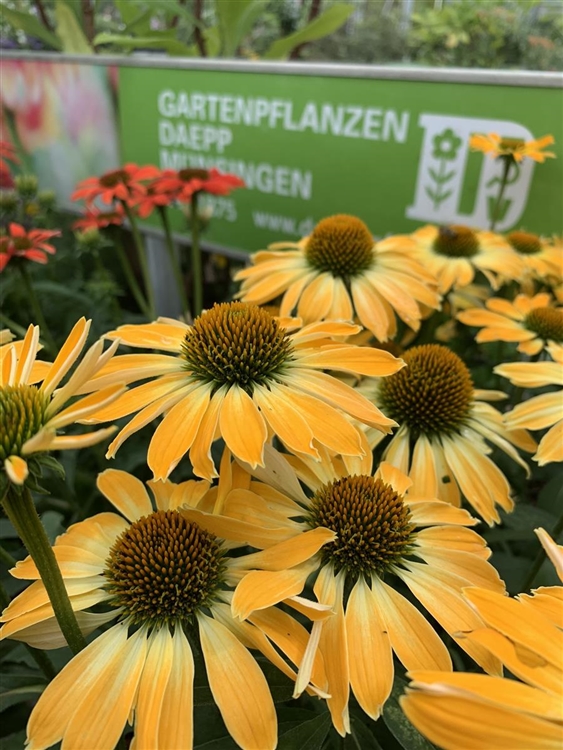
x=446 y=145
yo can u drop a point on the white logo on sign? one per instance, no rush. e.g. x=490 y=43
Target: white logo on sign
x=441 y=173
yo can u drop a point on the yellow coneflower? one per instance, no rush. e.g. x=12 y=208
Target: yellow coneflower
x=339 y=271
x=543 y=411
x=484 y=712
x=529 y=321
x=168 y=583
x=454 y=254
x=445 y=427
x=517 y=148
x=380 y=532
x=32 y=415
x=542 y=258
x=238 y=374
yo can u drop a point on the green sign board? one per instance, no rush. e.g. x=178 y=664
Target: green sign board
x=393 y=152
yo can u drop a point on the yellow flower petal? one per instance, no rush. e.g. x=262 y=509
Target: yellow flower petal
x=16 y=469
x=239 y=687
x=242 y=426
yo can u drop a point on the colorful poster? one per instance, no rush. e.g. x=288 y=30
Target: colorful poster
x=393 y=152
x=61 y=117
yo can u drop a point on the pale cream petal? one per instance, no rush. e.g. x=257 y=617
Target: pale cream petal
x=67 y=355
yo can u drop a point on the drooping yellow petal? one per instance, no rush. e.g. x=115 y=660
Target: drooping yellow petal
x=289 y=553
x=285 y=420
x=369 y=650
x=445 y=718
x=176 y=715
x=175 y=434
x=263 y=588
x=101 y=716
x=242 y=426
x=554 y=551
x=333 y=644
x=61 y=698
x=27 y=355
x=73 y=562
x=239 y=687
x=413 y=639
x=200 y=452
x=152 y=687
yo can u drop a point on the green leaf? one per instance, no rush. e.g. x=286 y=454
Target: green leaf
x=68 y=30
x=325 y=24
x=526 y=518
x=18 y=695
x=361 y=735
x=52 y=287
x=128 y=11
x=212 y=38
x=307 y=736
x=31 y=26
x=166 y=43
x=236 y=19
x=397 y=723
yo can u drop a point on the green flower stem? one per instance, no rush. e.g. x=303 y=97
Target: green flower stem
x=21 y=511
x=174 y=262
x=12 y=325
x=540 y=557
x=507 y=163
x=39 y=657
x=46 y=334
x=142 y=254
x=197 y=273
x=134 y=287
x=7 y=558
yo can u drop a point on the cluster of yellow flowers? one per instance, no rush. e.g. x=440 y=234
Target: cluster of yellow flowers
x=289 y=541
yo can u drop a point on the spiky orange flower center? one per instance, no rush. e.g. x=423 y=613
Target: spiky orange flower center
x=186 y=175
x=236 y=343
x=547 y=322
x=511 y=144
x=164 y=568
x=432 y=395
x=524 y=242
x=456 y=241
x=22 y=415
x=112 y=179
x=341 y=245
x=370 y=520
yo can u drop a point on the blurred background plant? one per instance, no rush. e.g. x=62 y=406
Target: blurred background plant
x=525 y=34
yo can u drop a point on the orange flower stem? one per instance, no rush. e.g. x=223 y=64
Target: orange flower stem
x=46 y=334
x=21 y=511
x=197 y=273
x=142 y=255
x=39 y=657
x=174 y=262
x=540 y=557
x=134 y=288
x=507 y=163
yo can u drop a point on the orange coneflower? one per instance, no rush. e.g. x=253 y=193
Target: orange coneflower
x=182 y=184
x=32 y=244
x=339 y=271
x=123 y=184
x=239 y=374
x=95 y=219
